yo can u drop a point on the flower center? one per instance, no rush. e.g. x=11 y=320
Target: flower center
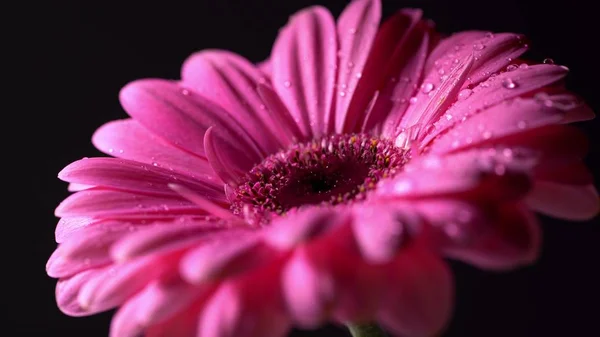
x=331 y=170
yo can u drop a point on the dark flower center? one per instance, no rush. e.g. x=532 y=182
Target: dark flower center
x=331 y=170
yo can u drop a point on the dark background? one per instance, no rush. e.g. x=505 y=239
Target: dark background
x=83 y=53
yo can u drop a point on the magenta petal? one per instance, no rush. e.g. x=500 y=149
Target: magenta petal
x=163 y=238
x=394 y=65
x=60 y=265
x=439 y=99
x=119 y=282
x=67 y=290
x=308 y=291
x=475 y=174
x=180 y=116
x=155 y=303
x=230 y=81
x=420 y=299
x=223 y=158
x=132 y=176
x=496 y=90
x=381 y=230
x=127 y=139
x=288 y=232
x=356 y=29
x=304 y=69
x=565 y=201
x=70 y=225
x=247 y=308
x=104 y=203
x=501 y=120
x=215 y=256
x=489 y=53
x=284 y=124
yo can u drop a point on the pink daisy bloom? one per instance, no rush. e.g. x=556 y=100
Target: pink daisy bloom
x=326 y=184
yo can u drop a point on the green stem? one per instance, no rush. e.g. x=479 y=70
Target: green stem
x=366 y=330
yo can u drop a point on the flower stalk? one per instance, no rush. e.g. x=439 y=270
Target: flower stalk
x=366 y=330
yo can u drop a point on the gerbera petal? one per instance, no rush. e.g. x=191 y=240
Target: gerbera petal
x=157 y=302
x=102 y=203
x=420 y=295
x=283 y=124
x=61 y=265
x=304 y=69
x=400 y=48
x=67 y=290
x=496 y=90
x=439 y=99
x=128 y=139
x=68 y=225
x=133 y=176
x=356 y=29
x=309 y=291
x=501 y=237
x=490 y=54
x=565 y=201
x=295 y=229
x=501 y=120
x=119 y=282
x=230 y=81
x=472 y=175
x=180 y=116
x=223 y=158
x=223 y=255
x=160 y=239
x=381 y=231
x=246 y=307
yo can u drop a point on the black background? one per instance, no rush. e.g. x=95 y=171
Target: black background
x=84 y=52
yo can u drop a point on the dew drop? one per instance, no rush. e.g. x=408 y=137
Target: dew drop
x=111 y=150
x=500 y=169
x=441 y=71
x=352 y=31
x=350 y=64
x=427 y=88
x=487 y=135
x=287 y=84
x=342 y=93
x=522 y=125
x=548 y=61
x=463 y=94
x=478 y=46
x=262 y=107
x=509 y=83
x=121 y=151
x=489 y=35
x=154 y=164
x=523 y=66
x=412 y=100
x=512 y=67
x=358 y=75
x=185 y=92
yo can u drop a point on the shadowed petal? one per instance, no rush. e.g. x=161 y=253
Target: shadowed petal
x=304 y=68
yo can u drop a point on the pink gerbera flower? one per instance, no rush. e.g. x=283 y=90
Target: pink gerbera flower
x=325 y=184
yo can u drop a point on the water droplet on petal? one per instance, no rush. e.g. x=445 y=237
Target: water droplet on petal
x=463 y=94
x=500 y=169
x=487 y=135
x=522 y=125
x=111 y=150
x=489 y=35
x=121 y=151
x=509 y=83
x=512 y=67
x=548 y=61
x=412 y=100
x=287 y=84
x=358 y=75
x=185 y=92
x=342 y=93
x=352 y=31
x=478 y=46
x=427 y=87
x=523 y=66
x=154 y=164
